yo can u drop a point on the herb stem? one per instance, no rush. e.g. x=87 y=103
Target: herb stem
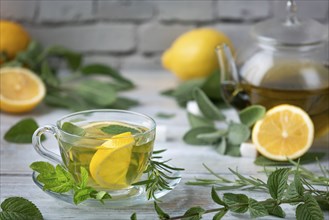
x=196 y=214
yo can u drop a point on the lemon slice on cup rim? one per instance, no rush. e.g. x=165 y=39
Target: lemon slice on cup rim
x=286 y=132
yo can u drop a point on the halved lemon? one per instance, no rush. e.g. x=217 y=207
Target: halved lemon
x=110 y=164
x=286 y=131
x=21 y=90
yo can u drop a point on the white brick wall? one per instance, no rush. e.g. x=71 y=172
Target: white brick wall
x=134 y=33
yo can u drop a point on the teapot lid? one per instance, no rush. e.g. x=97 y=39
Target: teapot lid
x=291 y=31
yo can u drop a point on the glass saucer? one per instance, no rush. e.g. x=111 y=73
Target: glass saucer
x=137 y=194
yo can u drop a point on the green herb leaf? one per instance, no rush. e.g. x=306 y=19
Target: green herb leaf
x=42 y=167
x=310 y=210
x=236 y=202
x=14 y=208
x=199 y=121
x=73 y=59
x=96 y=92
x=219 y=215
x=165 y=115
x=191 y=136
x=309 y=157
x=251 y=114
x=275 y=210
x=70 y=128
x=106 y=70
x=184 y=92
x=256 y=209
x=208 y=109
x=57 y=99
x=22 y=131
x=133 y=216
x=298 y=184
x=221 y=146
x=194 y=213
x=211 y=86
x=277 y=182
x=212 y=137
x=119 y=129
x=233 y=150
x=81 y=195
x=237 y=133
x=84 y=177
x=216 y=198
x=47 y=75
x=123 y=103
x=160 y=212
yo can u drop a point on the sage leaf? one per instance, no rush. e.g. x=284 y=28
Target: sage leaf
x=251 y=114
x=96 y=92
x=216 y=198
x=237 y=133
x=47 y=75
x=106 y=70
x=72 y=58
x=118 y=129
x=221 y=146
x=194 y=213
x=309 y=157
x=211 y=86
x=70 y=128
x=233 y=150
x=160 y=212
x=310 y=210
x=190 y=137
x=212 y=137
x=133 y=216
x=277 y=182
x=208 y=109
x=219 y=215
x=14 y=208
x=199 y=121
x=236 y=202
x=256 y=209
x=22 y=131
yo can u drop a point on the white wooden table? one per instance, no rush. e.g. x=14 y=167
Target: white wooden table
x=16 y=175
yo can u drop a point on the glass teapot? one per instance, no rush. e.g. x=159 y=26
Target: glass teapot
x=287 y=63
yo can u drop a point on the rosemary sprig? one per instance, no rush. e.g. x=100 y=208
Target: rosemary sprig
x=158 y=175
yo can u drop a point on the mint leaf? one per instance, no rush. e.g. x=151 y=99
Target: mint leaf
x=219 y=215
x=165 y=115
x=190 y=137
x=208 y=109
x=71 y=128
x=119 y=129
x=42 y=167
x=237 y=133
x=216 y=198
x=238 y=203
x=133 y=216
x=309 y=157
x=298 y=184
x=310 y=210
x=251 y=114
x=194 y=213
x=73 y=59
x=277 y=182
x=274 y=209
x=14 y=208
x=199 y=121
x=256 y=209
x=47 y=75
x=123 y=103
x=96 y=92
x=84 y=177
x=160 y=212
x=22 y=131
x=82 y=194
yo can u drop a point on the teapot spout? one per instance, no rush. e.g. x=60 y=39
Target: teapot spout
x=226 y=63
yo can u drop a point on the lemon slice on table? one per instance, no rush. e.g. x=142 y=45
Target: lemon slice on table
x=286 y=131
x=21 y=90
x=110 y=164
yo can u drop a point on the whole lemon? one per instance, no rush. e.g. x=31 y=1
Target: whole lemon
x=13 y=38
x=192 y=55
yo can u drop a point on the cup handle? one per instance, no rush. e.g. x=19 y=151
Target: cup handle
x=38 y=146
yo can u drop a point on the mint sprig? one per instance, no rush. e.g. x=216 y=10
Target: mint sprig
x=22 y=131
x=58 y=179
x=225 y=140
x=14 y=208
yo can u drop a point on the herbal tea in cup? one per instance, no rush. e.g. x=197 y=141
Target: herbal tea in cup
x=112 y=145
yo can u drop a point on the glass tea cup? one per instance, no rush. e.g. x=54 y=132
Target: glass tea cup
x=112 y=145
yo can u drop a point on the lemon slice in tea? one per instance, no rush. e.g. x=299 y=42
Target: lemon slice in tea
x=110 y=164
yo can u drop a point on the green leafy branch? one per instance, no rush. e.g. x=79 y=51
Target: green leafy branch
x=58 y=179
x=80 y=90
x=299 y=192
x=225 y=140
x=158 y=175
